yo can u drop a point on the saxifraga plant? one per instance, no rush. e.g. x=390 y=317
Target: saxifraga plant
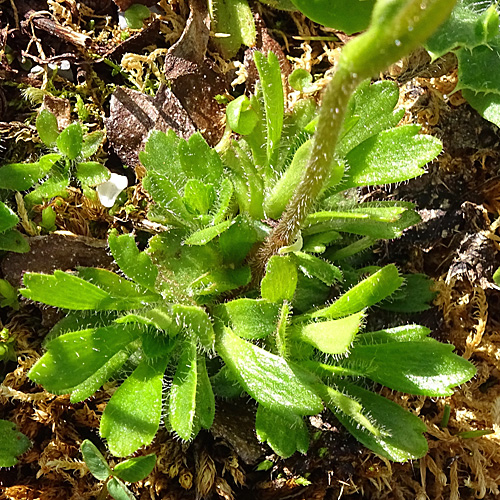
x=235 y=297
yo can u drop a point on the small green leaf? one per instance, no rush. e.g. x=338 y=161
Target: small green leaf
x=12 y=240
x=118 y=490
x=284 y=433
x=280 y=280
x=137 y=265
x=235 y=20
x=107 y=371
x=135 y=15
x=301 y=79
x=70 y=141
x=365 y=294
x=8 y=218
x=75 y=356
x=390 y=156
x=91 y=143
x=132 y=416
x=272 y=91
x=205 y=400
x=13 y=443
x=107 y=292
x=182 y=404
x=319 y=268
x=54 y=186
x=400 y=432
x=207 y=234
x=348 y=406
x=196 y=322
x=92 y=173
x=250 y=318
x=94 y=460
x=238 y=240
x=46 y=126
x=225 y=195
x=334 y=336
x=48 y=219
x=240 y=116
x=199 y=197
x=135 y=469
x=268 y=378
x=23 y=176
x=429 y=368
x=349 y=17
x=199 y=161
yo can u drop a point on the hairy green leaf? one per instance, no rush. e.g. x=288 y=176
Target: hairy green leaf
x=132 y=416
x=319 y=268
x=116 y=488
x=429 y=367
x=137 y=265
x=399 y=437
x=268 y=378
x=285 y=434
x=70 y=140
x=8 y=218
x=365 y=294
x=91 y=143
x=272 y=92
x=135 y=469
x=333 y=336
x=250 y=318
x=196 y=322
x=94 y=460
x=92 y=173
x=280 y=280
x=12 y=443
x=470 y=24
x=75 y=356
x=240 y=116
x=182 y=403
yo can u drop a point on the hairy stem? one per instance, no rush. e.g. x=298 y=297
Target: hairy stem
x=397 y=27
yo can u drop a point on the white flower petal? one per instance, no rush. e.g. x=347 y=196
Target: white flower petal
x=108 y=191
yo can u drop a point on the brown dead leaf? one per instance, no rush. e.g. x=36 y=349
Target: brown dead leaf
x=133 y=115
x=194 y=79
x=59 y=107
x=150 y=35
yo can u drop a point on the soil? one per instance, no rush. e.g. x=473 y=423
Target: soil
x=166 y=76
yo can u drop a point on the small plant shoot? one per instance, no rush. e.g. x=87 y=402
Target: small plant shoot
x=248 y=292
x=55 y=171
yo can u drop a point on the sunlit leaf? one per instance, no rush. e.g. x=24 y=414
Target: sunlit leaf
x=135 y=469
x=132 y=416
x=268 y=378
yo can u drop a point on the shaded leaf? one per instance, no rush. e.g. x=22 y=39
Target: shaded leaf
x=285 y=434
x=70 y=140
x=118 y=490
x=46 y=126
x=400 y=432
x=94 y=460
x=13 y=444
